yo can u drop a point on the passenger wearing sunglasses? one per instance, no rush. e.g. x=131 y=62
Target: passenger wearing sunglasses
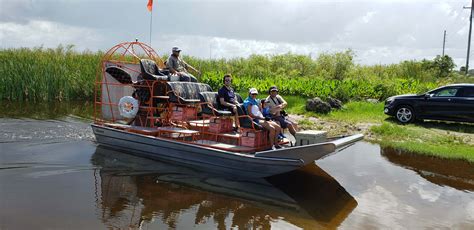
x=227 y=98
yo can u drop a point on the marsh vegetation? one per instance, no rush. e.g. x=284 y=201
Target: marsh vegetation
x=34 y=76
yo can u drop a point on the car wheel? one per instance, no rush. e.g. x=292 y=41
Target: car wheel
x=405 y=114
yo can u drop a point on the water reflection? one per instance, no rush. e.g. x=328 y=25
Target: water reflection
x=457 y=174
x=133 y=192
x=46 y=110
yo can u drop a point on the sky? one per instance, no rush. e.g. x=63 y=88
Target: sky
x=378 y=31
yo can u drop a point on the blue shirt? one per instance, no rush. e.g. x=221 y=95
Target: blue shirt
x=250 y=101
x=266 y=112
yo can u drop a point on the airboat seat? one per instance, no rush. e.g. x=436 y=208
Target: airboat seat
x=119 y=74
x=151 y=72
x=184 y=92
x=211 y=104
x=244 y=119
x=239 y=98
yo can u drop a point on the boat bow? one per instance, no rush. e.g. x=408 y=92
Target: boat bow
x=310 y=153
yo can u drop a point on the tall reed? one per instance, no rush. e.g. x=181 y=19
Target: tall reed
x=47 y=74
x=41 y=74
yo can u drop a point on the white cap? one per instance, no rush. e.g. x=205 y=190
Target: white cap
x=253 y=91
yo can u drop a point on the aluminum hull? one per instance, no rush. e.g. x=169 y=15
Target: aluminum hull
x=260 y=164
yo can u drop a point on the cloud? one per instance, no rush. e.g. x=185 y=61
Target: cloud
x=368 y=16
x=430 y=195
x=241 y=27
x=48 y=34
x=380 y=206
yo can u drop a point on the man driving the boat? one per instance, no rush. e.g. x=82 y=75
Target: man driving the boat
x=178 y=66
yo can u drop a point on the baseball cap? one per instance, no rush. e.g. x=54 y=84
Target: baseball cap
x=176 y=49
x=273 y=88
x=253 y=91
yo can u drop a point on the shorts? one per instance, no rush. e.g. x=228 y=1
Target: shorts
x=283 y=121
x=226 y=108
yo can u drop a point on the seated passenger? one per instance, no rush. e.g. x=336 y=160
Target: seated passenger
x=268 y=116
x=276 y=103
x=227 y=98
x=253 y=108
x=266 y=110
x=178 y=66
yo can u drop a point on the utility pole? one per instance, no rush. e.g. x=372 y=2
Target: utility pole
x=444 y=42
x=469 y=39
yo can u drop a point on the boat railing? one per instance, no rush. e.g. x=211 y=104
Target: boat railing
x=166 y=109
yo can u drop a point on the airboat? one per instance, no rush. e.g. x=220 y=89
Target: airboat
x=142 y=109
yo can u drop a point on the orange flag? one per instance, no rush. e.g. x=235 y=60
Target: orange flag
x=150 y=5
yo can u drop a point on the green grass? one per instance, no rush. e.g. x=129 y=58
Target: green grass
x=354 y=112
x=421 y=140
x=296 y=105
x=440 y=139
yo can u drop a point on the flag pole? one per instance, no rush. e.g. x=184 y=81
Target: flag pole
x=151 y=22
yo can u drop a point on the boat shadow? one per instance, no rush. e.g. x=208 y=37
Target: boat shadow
x=458 y=174
x=132 y=192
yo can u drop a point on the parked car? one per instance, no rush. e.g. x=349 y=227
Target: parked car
x=451 y=103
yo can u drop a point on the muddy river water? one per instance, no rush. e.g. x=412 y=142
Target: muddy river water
x=54 y=176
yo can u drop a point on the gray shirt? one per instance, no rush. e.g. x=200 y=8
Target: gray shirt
x=176 y=63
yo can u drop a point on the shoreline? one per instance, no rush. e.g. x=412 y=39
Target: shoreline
x=421 y=138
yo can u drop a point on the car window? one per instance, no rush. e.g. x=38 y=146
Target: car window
x=449 y=92
x=468 y=92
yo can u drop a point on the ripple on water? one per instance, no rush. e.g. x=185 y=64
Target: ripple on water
x=30 y=130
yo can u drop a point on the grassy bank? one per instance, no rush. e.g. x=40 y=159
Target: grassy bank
x=457 y=144
x=441 y=139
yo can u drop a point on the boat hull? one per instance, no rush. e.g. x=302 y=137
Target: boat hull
x=259 y=164
x=213 y=160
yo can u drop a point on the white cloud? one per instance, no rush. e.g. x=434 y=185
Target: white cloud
x=48 y=34
x=406 y=39
x=470 y=210
x=368 y=16
x=380 y=31
x=379 y=205
x=445 y=8
x=430 y=194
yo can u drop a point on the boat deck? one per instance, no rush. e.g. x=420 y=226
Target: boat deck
x=224 y=146
x=230 y=141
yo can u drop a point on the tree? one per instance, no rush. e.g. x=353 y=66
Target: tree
x=444 y=65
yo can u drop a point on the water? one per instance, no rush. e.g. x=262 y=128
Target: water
x=54 y=176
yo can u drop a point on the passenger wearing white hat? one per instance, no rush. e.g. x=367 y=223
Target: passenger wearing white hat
x=178 y=66
x=254 y=109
